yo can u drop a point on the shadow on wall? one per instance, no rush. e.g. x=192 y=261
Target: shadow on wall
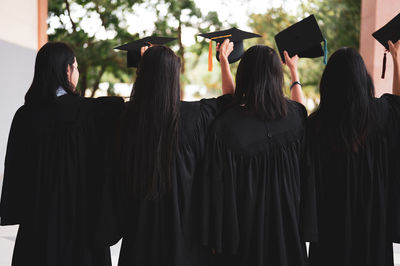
x=16 y=73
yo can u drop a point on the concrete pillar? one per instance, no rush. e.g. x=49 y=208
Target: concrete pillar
x=375 y=14
x=23 y=29
x=42 y=22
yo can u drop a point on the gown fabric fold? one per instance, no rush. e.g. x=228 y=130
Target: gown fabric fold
x=254 y=205
x=54 y=180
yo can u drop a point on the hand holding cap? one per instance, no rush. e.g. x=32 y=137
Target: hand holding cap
x=225 y=49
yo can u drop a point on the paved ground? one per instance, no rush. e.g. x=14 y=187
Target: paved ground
x=8 y=233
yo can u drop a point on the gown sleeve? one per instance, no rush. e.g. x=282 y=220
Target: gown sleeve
x=393 y=130
x=211 y=108
x=308 y=206
x=15 y=196
x=210 y=207
x=219 y=224
x=308 y=202
x=107 y=117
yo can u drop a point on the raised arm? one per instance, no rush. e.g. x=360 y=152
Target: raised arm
x=143 y=49
x=394 y=51
x=296 y=93
x=228 y=87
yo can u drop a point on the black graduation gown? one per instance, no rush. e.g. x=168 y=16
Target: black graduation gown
x=156 y=232
x=253 y=200
x=356 y=192
x=53 y=180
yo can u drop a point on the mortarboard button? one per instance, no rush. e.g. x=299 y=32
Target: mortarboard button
x=234 y=35
x=391 y=31
x=302 y=38
x=133 y=48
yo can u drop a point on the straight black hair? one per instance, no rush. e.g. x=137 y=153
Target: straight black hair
x=149 y=130
x=347 y=92
x=259 y=81
x=51 y=67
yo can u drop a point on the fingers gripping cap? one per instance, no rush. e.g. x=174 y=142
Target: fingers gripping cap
x=302 y=38
x=234 y=35
x=133 y=48
x=391 y=31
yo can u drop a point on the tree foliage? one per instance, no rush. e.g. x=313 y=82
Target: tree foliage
x=173 y=17
x=95 y=56
x=339 y=21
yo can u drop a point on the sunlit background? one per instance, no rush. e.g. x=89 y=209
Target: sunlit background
x=93 y=29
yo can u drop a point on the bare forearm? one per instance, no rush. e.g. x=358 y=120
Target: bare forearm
x=396 y=77
x=228 y=87
x=296 y=93
x=394 y=49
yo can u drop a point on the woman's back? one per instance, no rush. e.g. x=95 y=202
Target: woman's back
x=252 y=189
x=54 y=177
x=355 y=200
x=245 y=132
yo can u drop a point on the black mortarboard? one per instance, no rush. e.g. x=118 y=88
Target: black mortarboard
x=133 y=48
x=302 y=38
x=391 y=31
x=234 y=35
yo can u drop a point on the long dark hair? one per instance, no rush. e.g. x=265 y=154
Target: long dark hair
x=51 y=67
x=149 y=130
x=347 y=92
x=259 y=81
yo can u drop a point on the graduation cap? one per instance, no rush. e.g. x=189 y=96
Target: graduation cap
x=391 y=31
x=302 y=38
x=234 y=35
x=133 y=48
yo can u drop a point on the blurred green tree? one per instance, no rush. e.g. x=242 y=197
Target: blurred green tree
x=339 y=21
x=68 y=21
x=173 y=17
x=96 y=55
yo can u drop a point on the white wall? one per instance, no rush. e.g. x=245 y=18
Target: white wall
x=18 y=47
x=19 y=22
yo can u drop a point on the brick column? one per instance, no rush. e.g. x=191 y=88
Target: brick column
x=42 y=22
x=375 y=14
